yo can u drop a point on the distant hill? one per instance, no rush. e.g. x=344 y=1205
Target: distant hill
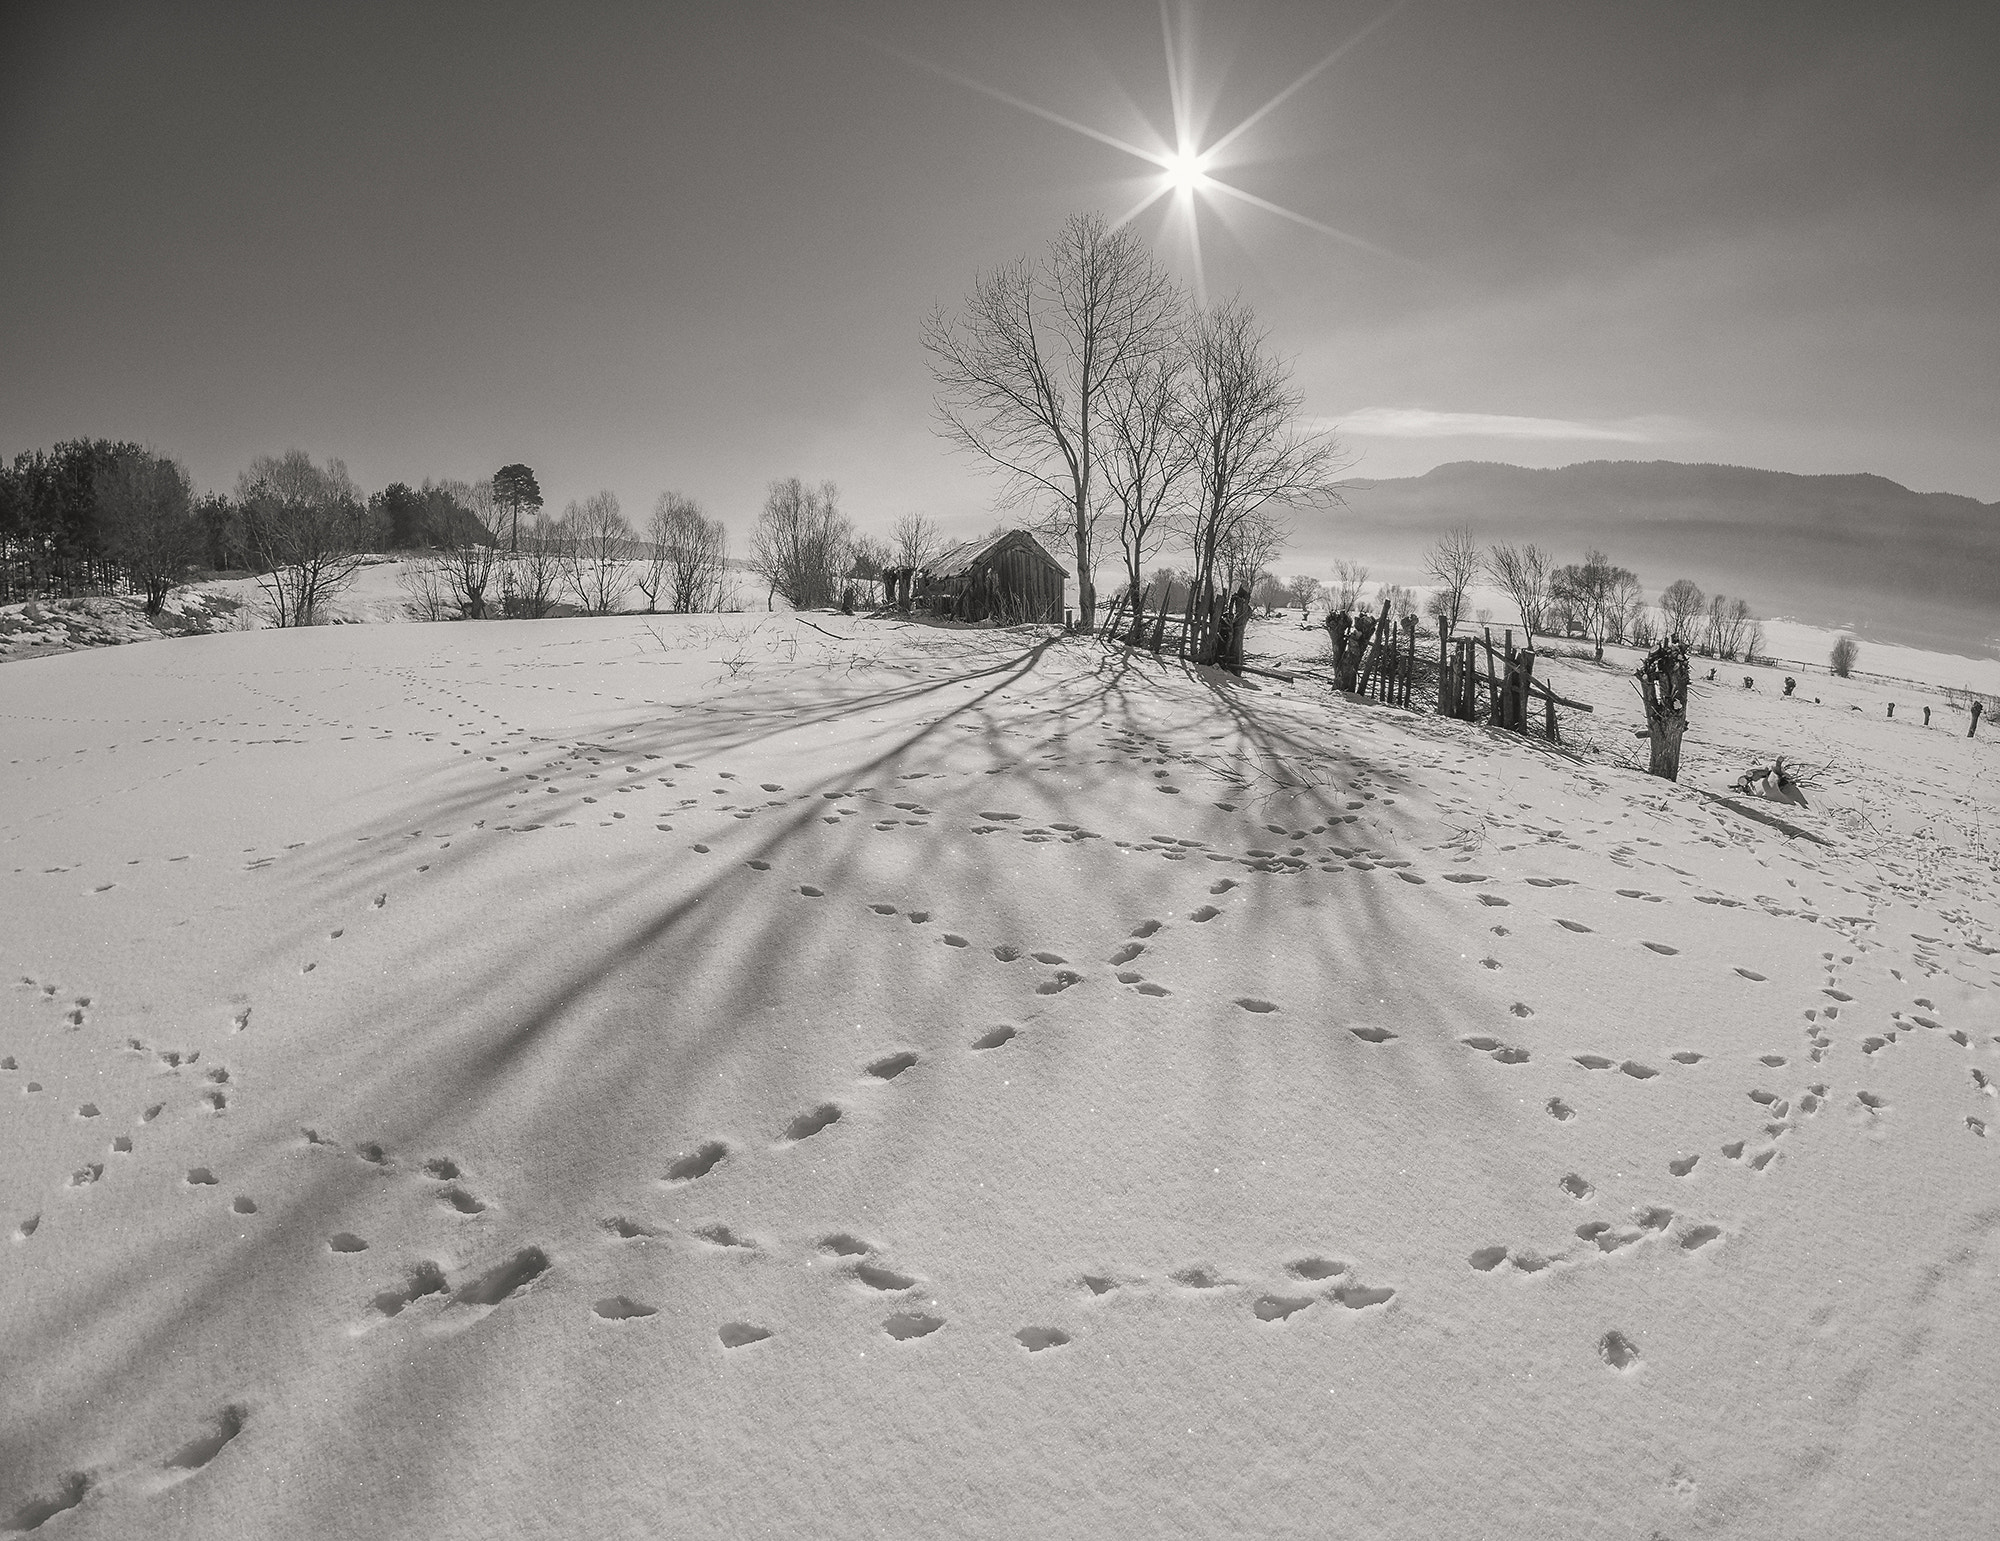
x=1920 y=568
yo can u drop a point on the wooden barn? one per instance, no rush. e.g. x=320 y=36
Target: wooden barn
x=1005 y=578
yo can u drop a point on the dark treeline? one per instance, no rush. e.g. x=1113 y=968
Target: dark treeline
x=99 y=516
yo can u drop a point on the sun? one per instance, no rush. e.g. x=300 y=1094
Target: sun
x=1184 y=172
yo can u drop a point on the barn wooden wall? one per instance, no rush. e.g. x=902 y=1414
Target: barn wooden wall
x=1013 y=584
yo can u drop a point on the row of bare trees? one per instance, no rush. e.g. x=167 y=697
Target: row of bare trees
x=589 y=556
x=1595 y=598
x=1104 y=395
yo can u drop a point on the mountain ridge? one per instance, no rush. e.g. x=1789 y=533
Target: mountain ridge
x=1846 y=549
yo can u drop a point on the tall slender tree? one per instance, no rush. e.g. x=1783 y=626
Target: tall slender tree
x=1251 y=455
x=515 y=489
x=1022 y=372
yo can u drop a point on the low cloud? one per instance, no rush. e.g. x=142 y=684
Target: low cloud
x=1422 y=423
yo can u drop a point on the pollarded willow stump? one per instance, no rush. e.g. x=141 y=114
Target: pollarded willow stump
x=1663 y=684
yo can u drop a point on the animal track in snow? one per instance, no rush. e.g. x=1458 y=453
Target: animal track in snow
x=886 y=1279
x=244 y=1204
x=70 y=1491
x=345 y=1241
x=1661 y=948
x=841 y=1244
x=1683 y=1165
x=1686 y=1057
x=1275 y=1308
x=1494 y=901
x=1617 y=1350
x=1314 y=1268
x=200 y=1177
x=1572 y=925
x=1873 y=1101
x=1751 y=974
x=197 y=1453
x=1486 y=1259
x=1698 y=1236
x=741 y=1334
x=1371 y=1034
x=1145 y=928
x=1559 y=1110
x=698 y=1164
x=461 y=1201
x=1358 y=1297
x=622 y=1308
x=1252 y=1004
x=810 y=1122
x=1576 y=1187
x=1637 y=1071
x=1036 y=1339
x=504 y=1279
x=1593 y=1061
x=992 y=1038
x=890 y=1066
x=905 y=1325
x=628 y=1230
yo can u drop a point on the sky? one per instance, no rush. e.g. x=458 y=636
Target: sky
x=688 y=246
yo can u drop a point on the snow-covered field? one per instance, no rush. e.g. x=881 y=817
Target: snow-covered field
x=748 y=1075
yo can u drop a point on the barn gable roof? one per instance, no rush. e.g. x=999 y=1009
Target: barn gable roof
x=961 y=559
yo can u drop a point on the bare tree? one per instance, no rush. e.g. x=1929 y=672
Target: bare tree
x=1269 y=592
x=1846 y=653
x=145 y=512
x=1349 y=579
x=1724 y=626
x=1453 y=561
x=1306 y=589
x=685 y=553
x=532 y=577
x=304 y=527
x=1148 y=457
x=1402 y=602
x=1522 y=574
x=1625 y=603
x=1022 y=372
x=801 y=543
x=1250 y=454
x=1248 y=550
x=917 y=541
x=1592 y=596
x=598 y=545
x=1682 y=605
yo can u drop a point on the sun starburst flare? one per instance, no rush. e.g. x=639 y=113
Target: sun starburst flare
x=1185 y=166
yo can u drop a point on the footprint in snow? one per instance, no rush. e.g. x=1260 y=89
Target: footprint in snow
x=1252 y=1004
x=505 y=1279
x=622 y=1308
x=905 y=1325
x=198 y=1452
x=698 y=1163
x=1036 y=1339
x=1372 y=1034
x=993 y=1037
x=811 y=1122
x=1593 y=1061
x=890 y=1066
